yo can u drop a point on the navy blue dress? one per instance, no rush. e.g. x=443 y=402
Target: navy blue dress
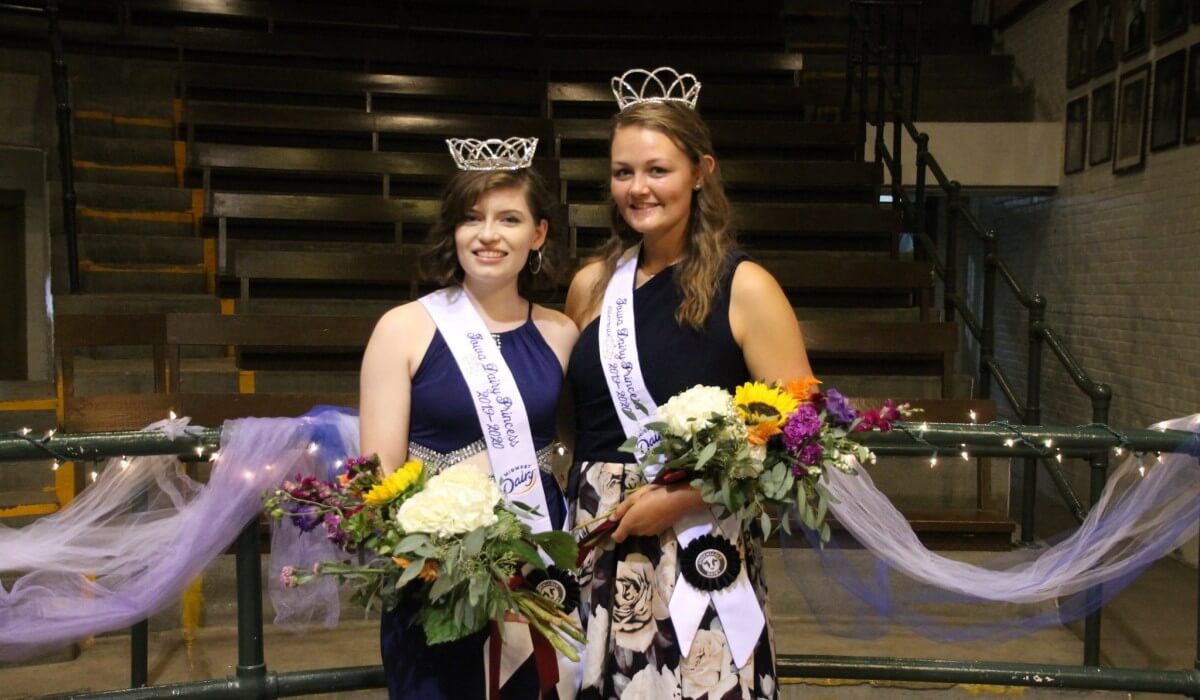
x=443 y=419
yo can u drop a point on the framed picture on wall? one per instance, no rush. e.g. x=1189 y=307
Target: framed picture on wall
x=1077 y=44
x=1166 y=128
x=1191 y=119
x=1076 y=135
x=1101 y=135
x=1132 y=103
x=1170 y=18
x=1104 y=37
x=1135 y=28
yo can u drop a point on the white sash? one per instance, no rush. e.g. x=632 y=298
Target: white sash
x=736 y=605
x=498 y=403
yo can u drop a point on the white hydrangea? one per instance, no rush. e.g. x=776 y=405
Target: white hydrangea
x=689 y=412
x=454 y=502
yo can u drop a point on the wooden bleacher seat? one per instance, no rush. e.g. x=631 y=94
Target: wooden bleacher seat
x=378 y=91
x=394 y=273
x=732 y=138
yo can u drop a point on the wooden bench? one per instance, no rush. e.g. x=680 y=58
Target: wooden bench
x=741 y=138
x=237 y=167
x=802 y=274
x=923 y=348
x=577 y=99
x=73 y=333
x=226 y=206
x=374 y=129
x=368 y=91
x=344 y=269
x=781 y=223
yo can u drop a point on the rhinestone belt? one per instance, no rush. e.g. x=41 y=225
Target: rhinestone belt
x=441 y=460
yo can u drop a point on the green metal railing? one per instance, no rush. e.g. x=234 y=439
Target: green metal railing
x=254 y=680
x=886 y=35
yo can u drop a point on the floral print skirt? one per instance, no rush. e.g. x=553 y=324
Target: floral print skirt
x=632 y=651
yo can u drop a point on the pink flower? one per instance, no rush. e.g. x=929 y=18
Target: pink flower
x=287 y=576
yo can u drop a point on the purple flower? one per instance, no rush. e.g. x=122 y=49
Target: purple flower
x=811 y=454
x=801 y=426
x=305 y=516
x=838 y=408
x=333 y=529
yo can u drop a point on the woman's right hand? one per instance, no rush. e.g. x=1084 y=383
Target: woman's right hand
x=652 y=510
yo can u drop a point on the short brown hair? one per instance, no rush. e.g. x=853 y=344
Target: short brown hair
x=439 y=262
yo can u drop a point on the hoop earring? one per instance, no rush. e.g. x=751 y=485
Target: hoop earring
x=535 y=264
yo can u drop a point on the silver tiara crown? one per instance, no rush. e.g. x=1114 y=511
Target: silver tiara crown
x=493 y=154
x=663 y=84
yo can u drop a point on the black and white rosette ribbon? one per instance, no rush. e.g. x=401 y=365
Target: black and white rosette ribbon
x=736 y=604
x=556 y=585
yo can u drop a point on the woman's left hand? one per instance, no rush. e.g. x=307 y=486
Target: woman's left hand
x=652 y=509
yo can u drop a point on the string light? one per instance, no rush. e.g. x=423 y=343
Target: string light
x=171 y=415
x=964 y=453
x=312 y=448
x=124 y=463
x=25 y=431
x=1058 y=457
x=268 y=467
x=1048 y=443
x=95 y=475
x=1009 y=442
x=971 y=413
x=1118 y=451
x=50 y=433
x=337 y=464
x=933 y=461
x=1160 y=457
x=200 y=451
x=924 y=427
x=54 y=467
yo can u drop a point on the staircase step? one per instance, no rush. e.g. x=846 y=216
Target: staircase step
x=134 y=199
x=136 y=376
x=100 y=122
x=321 y=307
x=137 y=176
x=121 y=249
x=909 y=387
x=111 y=150
x=134 y=303
x=142 y=278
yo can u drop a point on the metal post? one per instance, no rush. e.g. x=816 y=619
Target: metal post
x=1101 y=401
x=251 y=668
x=897 y=103
x=922 y=167
x=987 y=343
x=62 y=102
x=1033 y=414
x=951 y=281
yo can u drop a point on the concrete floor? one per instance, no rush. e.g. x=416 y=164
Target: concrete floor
x=1151 y=625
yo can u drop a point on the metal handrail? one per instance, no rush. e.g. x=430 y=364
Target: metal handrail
x=863 y=48
x=254 y=680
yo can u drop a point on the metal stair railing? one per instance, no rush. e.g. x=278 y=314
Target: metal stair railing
x=253 y=679
x=892 y=22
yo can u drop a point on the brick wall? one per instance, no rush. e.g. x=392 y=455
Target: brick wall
x=1115 y=255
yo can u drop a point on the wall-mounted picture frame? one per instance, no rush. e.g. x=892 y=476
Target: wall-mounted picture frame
x=1191 y=118
x=1104 y=37
x=1135 y=28
x=1078 y=44
x=1170 y=19
x=1100 y=134
x=1133 y=101
x=1075 y=140
x=1166 y=128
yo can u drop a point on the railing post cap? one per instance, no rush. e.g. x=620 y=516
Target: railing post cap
x=1102 y=390
x=1038 y=300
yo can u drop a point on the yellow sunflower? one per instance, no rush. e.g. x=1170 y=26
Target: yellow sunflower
x=760 y=404
x=395 y=484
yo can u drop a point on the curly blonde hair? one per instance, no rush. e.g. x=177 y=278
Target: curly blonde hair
x=709 y=237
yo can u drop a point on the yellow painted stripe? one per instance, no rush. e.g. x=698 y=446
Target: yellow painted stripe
x=64 y=483
x=176 y=217
x=197 y=207
x=180 y=161
x=125 y=167
x=30 y=405
x=191 y=611
x=60 y=392
x=228 y=306
x=210 y=271
x=101 y=115
x=28 y=510
x=177 y=110
x=246 y=382
x=90 y=266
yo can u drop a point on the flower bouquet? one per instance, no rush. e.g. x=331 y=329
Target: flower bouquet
x=763 y=447
x=449 y=539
